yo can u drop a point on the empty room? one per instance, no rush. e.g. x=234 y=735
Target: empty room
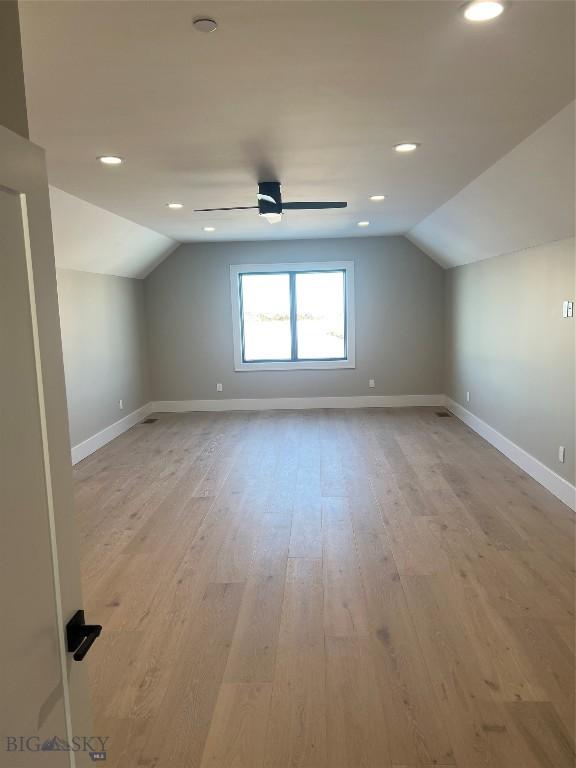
x=287 y=357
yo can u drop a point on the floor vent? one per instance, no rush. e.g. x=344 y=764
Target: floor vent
x=443 y=414
x=148 y=421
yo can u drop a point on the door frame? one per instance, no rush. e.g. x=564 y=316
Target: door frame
x=23 y=171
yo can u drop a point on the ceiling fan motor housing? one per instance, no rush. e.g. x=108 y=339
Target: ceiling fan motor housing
x=271 y=189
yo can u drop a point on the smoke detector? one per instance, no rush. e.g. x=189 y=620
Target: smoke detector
x=205 y=25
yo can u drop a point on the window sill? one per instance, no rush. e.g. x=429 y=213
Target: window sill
x=300 y=365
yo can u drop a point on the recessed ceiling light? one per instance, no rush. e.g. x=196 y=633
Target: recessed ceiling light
x=209 y=229
x=483 y=10
x=205 y=25
x=363 y=223
x=406 y=146
x=175 y=206
x=111 y=160
x=377 y=198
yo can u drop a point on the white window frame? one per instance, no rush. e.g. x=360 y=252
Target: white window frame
x=293 y=365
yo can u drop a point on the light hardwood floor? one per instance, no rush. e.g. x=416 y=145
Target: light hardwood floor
x=325 y=589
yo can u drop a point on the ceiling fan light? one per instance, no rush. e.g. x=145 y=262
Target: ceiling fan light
x=272 y=218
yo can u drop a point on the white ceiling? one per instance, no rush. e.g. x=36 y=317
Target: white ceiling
x=523 y=200
x=90 y=239
x=311 y=93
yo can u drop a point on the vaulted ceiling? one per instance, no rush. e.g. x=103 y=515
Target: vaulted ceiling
x=91 y=239
x=525 y=199
x=314 y=94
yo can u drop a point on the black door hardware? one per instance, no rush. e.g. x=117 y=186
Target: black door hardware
x=80 y=636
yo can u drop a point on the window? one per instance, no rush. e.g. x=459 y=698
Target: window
x=293 y=316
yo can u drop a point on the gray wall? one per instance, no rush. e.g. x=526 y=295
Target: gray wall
x=105 y=350
x=13 y=113
x=399 y=321
x=508 y=345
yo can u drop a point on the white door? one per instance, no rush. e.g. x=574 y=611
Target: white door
x=43 y=691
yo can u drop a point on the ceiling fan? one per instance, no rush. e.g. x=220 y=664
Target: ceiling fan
x=271 y=206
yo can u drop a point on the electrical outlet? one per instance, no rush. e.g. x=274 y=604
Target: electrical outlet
x=568 y=309
x=219 y=387
x=371 y=383
x=467 y=397
x=121 y=404
x=561 y=454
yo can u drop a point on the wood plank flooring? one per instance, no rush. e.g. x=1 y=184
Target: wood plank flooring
x=372 y=588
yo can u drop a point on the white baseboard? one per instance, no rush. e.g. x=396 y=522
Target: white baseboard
x=289 y=403
x=103 y=437
x=561 y=488
x=92 y=444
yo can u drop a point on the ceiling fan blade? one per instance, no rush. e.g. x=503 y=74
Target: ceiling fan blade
x=233 y=208
x=311 y=206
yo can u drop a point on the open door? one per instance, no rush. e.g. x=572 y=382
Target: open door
x=44 y=703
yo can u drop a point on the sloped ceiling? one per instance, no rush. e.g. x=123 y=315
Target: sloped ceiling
x=90 y=239
x=313 y=94
x=525 y=199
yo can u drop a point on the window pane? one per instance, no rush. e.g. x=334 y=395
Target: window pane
x=320 y=319
x=266 y=307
